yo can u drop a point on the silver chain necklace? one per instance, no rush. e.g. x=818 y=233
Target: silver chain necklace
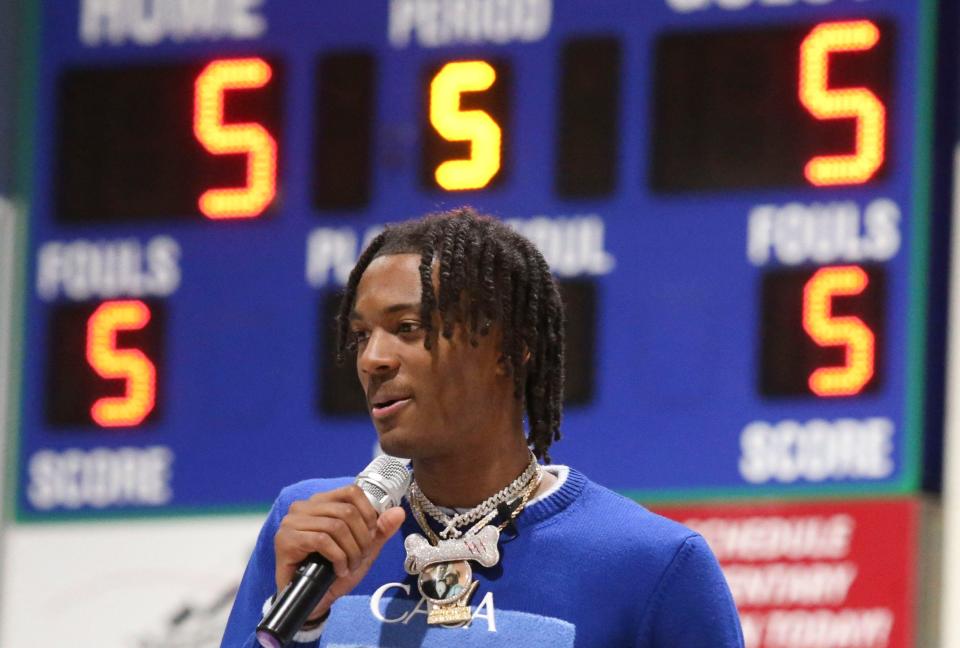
x=486 y=509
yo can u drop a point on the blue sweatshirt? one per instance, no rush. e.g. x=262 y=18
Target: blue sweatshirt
x=587 y=568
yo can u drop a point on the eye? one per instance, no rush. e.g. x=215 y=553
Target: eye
x=408 y=326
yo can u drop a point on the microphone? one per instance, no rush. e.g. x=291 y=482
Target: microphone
x=385 y=481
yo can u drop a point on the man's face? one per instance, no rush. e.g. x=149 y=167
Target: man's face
x=424 y=403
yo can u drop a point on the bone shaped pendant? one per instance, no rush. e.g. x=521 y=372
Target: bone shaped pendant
x=481 y=547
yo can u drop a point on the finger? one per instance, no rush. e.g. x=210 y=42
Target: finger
x=325 y=545
x=284 y=575
x=352 y=494
x=315 y=518
x=387 y=525
x=338 y=532
x=288 y=555
x=297 y=545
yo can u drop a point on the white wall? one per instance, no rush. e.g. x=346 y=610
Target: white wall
x=132 y=584
x=950 y=602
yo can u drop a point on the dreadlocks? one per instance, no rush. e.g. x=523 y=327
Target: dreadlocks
x=488 y=274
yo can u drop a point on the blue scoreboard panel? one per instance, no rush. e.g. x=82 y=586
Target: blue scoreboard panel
x=733 y=195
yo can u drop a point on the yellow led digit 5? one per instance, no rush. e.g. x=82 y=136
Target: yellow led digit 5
x=842 y=103
x=848 y=331
x=131 y=365
x=475 y=126
x=219 y=138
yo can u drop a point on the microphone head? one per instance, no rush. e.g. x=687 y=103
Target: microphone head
x=385 y=481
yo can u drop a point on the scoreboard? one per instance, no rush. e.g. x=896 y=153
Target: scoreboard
x=733 y=195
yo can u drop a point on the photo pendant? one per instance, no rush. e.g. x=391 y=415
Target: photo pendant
x=447 y=586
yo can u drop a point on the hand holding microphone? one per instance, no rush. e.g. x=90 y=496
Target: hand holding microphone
x=326 y=544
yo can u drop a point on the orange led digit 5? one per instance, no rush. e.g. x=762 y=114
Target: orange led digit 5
x=131 y=365
x=824 y=102
x=475 y=126
x=219 y=138
x=827 y=330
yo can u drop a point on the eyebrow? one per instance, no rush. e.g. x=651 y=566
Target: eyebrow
x=354 y=315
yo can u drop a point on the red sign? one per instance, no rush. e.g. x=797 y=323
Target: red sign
x=823 y=575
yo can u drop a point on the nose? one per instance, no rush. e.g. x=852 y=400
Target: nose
x=378 y=355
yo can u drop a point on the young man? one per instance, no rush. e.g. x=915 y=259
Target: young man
x=457 y=328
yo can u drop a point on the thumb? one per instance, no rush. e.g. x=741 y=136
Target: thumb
x=388 y=524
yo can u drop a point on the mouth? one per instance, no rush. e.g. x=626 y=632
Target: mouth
x=388 y=407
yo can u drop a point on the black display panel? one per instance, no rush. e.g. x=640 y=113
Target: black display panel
x=74 y=385
x=494 y=102
x=588 y=125
x=789 y=354
x=580 y=305
x=339 y=391
x=346 y=104
x=727 y=113
x=126 y=147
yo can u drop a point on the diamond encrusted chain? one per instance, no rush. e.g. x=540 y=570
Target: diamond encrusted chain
x=485 y=511
x=528 y=490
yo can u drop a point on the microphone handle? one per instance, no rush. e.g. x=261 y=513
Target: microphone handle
x=298 y=599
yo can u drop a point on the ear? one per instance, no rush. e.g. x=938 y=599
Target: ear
x=502 y=369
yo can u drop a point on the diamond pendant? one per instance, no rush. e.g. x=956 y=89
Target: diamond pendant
x=444 y=575
x=481 y=547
